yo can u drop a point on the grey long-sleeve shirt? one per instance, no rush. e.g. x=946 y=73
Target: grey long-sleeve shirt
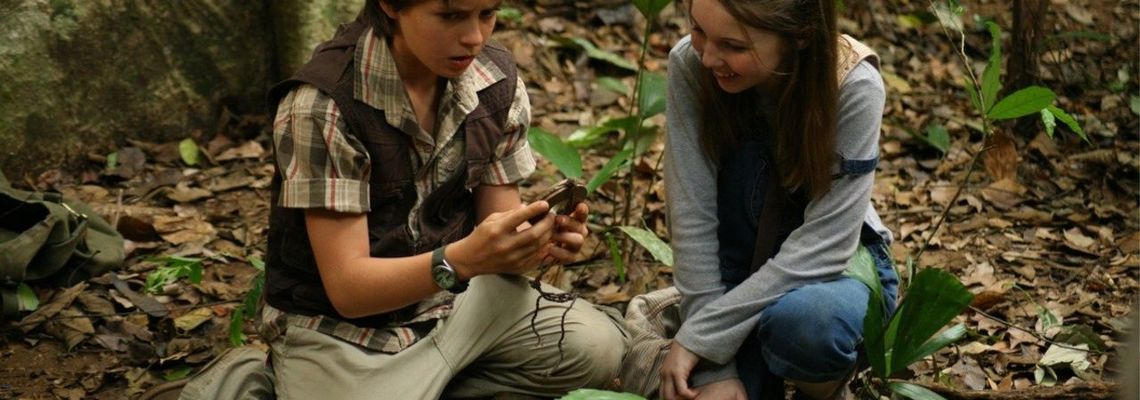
x=717 y=322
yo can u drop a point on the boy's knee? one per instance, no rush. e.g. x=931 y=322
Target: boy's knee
x=593 y=354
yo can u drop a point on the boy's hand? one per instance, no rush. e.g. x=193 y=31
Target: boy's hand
x=569 y=236
x=498 y=246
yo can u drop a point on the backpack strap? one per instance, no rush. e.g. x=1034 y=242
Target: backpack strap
x=851 y=53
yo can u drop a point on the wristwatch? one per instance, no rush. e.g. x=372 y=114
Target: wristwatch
x=444 y=275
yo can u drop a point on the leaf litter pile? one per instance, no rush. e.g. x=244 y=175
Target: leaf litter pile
x=1047 y=237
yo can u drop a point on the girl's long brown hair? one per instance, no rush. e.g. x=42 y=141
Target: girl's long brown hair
x=801 y=128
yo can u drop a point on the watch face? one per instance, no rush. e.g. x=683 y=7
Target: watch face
x=443 y=277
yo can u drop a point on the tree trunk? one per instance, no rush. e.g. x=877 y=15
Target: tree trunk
x=1028 y=26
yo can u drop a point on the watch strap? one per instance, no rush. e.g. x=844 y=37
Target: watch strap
x=437 y=258
x=437 y=255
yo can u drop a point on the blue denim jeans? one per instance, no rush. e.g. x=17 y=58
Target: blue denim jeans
x=811 y=334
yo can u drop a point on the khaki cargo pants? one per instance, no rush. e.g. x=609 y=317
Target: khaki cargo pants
x=486 y=346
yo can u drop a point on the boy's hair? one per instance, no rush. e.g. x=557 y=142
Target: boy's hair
x=381 y=24
x=802 y=127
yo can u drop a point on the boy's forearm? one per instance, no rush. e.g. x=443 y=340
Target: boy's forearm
x=358 y=284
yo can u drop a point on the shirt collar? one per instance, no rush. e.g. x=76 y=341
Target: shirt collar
x=377 y=81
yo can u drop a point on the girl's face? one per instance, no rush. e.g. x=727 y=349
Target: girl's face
x=442 y=37
x=740 y=57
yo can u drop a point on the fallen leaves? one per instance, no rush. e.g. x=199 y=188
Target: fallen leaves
x=1046 y=236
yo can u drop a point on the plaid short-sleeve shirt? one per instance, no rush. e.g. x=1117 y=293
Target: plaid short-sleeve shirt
x=322 y=167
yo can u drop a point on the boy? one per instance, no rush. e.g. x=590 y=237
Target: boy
x=397 y=235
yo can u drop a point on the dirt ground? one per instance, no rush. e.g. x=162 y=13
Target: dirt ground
x=1046 y=233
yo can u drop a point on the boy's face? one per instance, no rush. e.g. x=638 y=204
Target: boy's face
x=443 y=36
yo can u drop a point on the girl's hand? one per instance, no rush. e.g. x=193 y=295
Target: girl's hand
x=499 y=246
x=569 y=237
x=675 y=373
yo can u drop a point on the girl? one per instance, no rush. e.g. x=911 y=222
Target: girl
x=773 y=126
x=397 y=234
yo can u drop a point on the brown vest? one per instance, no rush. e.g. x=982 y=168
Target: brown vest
x=293 y=283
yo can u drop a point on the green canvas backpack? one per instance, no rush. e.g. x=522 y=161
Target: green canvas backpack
x=45 y=238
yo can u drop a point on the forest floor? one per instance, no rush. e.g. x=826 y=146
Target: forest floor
x=1046 y=232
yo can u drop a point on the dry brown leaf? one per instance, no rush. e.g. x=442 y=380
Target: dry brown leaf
x=178 y=348
x=70 y=326
x=975 y=348
x=250 y=149
x=1026 y=271
x=1130 y=244
x=970 y=373
x=183 y=193
x=892 y=148
x=184 y=229
x=1105 y=234
x=59 y=302
x=1080 y=13
x=112 y=341
x=229 y=182
x=217 y=144
x=1005 y=385
x=987 y=325
x=1030 y=216
x=904 y=198
x=96 y=304
x=1004 y=194
x=1001 y=158
x=896 y=84
x=974 y=223
x=136 y=229
x=1077 y=239
x=942 y=192
x=998 y=223
x=69 y=393
x=221 y=290
x=986 y=299
x=980 y=274
x=1046 y=234
x=974 y=202
x=187 y=322
x=1022 y=383
x=136 y=327
x=1046 y=146
x=1018 y=336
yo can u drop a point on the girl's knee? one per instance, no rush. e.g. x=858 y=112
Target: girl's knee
x=815 y=328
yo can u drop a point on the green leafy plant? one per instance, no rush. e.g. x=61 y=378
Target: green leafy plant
x=172 y=268
x=509 y=14
x=636 y=132
x=934 y=297
x=932 y=300
x=984 y=92
x=112 y=161
x=188 y=149
x=177 y=373
x=248 y=308
x=983 y=95
x=26 y=298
